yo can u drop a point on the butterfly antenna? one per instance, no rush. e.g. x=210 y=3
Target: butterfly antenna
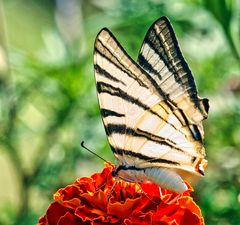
x=83 y=146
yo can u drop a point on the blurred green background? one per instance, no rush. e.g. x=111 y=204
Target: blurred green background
x=48 y=100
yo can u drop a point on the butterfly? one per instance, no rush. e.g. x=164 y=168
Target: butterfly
x=150 y=108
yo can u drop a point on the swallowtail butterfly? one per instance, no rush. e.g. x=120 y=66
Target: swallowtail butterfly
x=151 y=110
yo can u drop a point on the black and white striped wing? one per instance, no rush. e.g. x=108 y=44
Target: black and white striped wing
x=123 y=90
x=161 y=57
x=144 y=127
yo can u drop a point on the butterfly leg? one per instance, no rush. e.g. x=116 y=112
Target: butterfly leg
x=174 y=199
x=160 y=193
x=112 y=188
x=108 y=181
x=147 y=195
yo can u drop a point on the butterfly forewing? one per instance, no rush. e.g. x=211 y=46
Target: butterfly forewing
x=149 y=109
x=123 y=93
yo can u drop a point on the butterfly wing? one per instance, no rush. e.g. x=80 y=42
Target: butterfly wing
x=123 y=90
x=144 y=127
x=161 y=57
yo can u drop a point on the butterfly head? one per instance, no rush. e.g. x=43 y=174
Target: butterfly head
x=114 y=173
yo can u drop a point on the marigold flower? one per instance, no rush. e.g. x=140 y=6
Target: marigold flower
x=99 y=199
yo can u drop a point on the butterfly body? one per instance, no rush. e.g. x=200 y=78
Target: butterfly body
x=163 y=177
x=151 y=111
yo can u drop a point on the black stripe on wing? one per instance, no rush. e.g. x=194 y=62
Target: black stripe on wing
x=123 y=129
x=121 y=152
x=107 y=88
x=147 y=65
x=193 y=128
x=196 y=133
x=104 y=73
x=108 y=112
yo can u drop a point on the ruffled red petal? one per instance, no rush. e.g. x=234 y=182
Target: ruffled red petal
x=101 y=199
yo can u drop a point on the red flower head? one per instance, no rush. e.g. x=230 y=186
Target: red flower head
x=100 y=199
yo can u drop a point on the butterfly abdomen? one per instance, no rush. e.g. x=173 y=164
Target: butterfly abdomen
x=163 y=177
x=166 y=178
